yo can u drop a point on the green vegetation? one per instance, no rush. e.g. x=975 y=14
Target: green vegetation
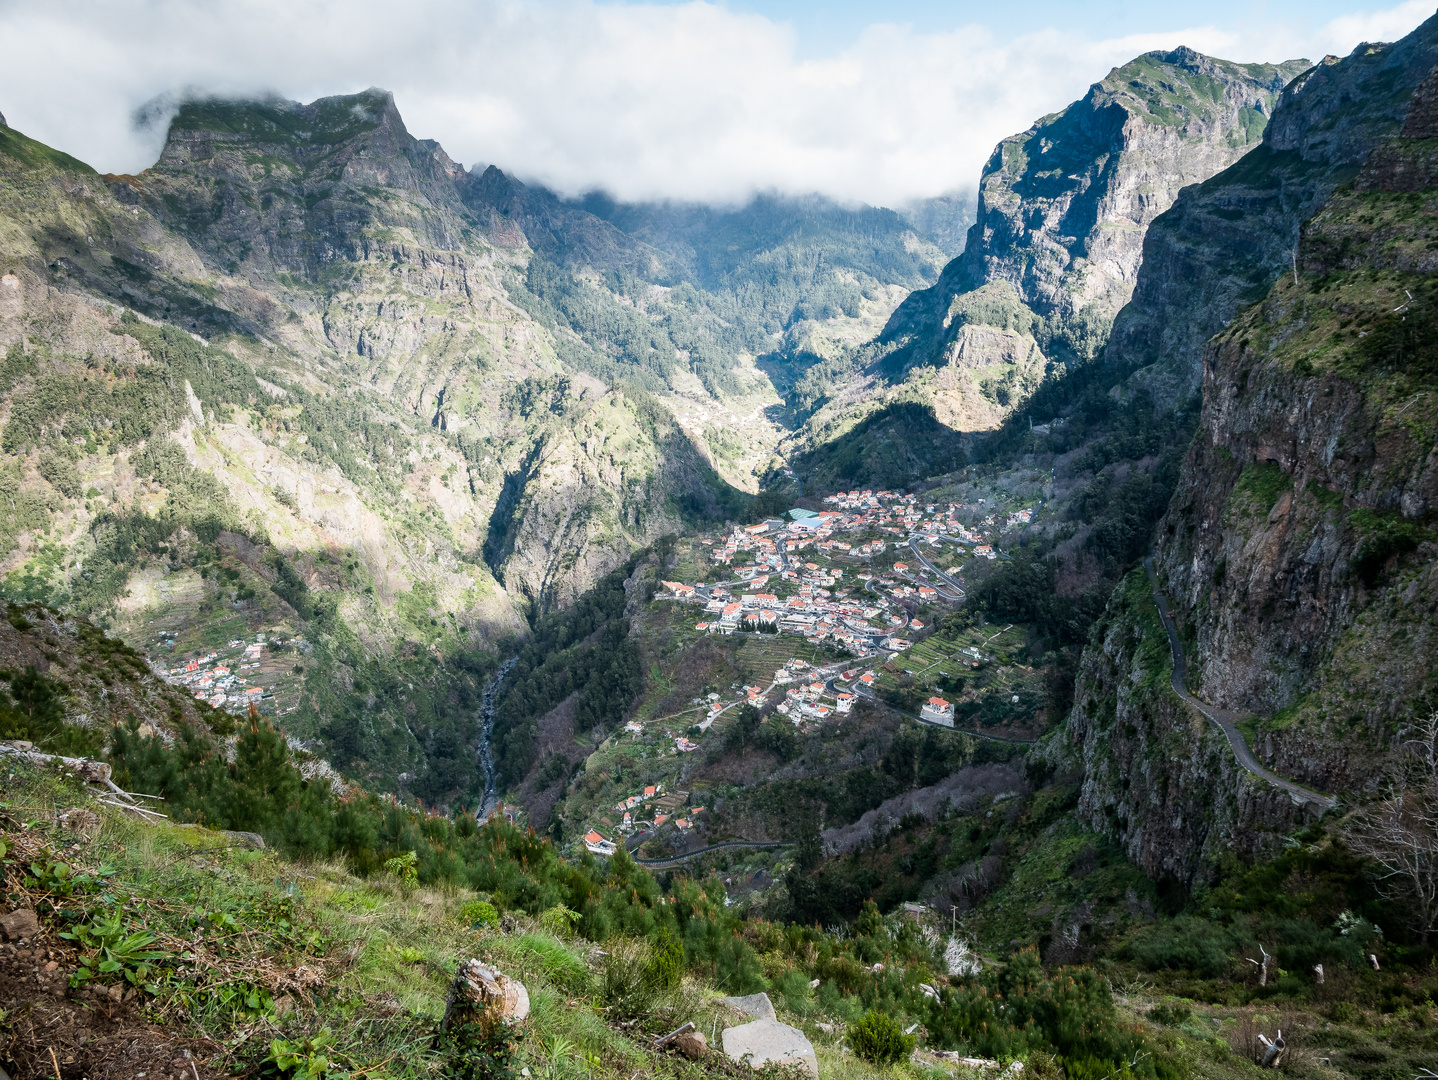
x=877 y=1037
x=34 y=710
x=328 y=121
x=37 y=155
x=1382 y=537
x=1260 y=486
x=888 y=448
x=584 y=650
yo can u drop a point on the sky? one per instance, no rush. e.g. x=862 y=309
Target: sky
x=711 y=102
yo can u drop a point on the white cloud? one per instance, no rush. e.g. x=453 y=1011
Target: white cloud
x=687 y=101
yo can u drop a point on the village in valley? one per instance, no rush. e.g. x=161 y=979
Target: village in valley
x=237 y=676
x=861 y=576
x=842 y=602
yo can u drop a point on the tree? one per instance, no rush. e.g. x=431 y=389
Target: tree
x=1399 y=833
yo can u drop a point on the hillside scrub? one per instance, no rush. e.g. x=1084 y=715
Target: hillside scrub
x=209 y=938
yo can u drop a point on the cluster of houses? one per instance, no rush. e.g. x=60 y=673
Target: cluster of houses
x=650 y=809
x=812 y=701
x=815 y=611
x=219 y=681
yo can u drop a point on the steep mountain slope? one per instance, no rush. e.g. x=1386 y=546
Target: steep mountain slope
x=1224 y=243
x=345 y=499
x=408 y=403
x=1063 y=210
x=1063 y=207
x=1299 y=545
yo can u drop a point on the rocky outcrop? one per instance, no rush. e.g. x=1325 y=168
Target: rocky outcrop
x=1223 y=244
x=1300 y=538
x=756 y=1005
x=1063 y=210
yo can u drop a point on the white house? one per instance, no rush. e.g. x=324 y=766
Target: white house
x=939 y=711
x=597 y=844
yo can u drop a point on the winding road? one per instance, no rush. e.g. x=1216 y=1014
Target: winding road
x=675 y=860
x=1224 y=720
x=950 y=582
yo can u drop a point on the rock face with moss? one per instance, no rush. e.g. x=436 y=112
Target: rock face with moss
x=1224 y=243
x=1157 y=776
x=1063 y=209
x=1299 y=548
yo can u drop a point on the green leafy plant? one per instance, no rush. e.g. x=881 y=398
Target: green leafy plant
x=60 y=879
x=559 y=920
x=405 y=867
x=304 y=1059
x=242 y=998
x=113 y=952
x=877 y=1037
x=478 y=914
x=478 y=1051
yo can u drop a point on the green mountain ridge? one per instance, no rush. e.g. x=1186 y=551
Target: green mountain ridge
x=310 y=396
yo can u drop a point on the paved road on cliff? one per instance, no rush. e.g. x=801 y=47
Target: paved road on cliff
x=1224 y=720
x=675 y=860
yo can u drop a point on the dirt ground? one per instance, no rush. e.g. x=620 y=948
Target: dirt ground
x=48 y=1029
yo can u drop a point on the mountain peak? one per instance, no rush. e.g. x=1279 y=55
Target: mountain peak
x=277 y=121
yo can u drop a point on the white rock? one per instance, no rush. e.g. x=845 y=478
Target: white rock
x=766 y=1041
x=756 y=1005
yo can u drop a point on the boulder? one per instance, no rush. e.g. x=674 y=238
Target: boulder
x=692 y=1044
x=19 y=924
x=766 y=1041
x=756 y=1005
x=479 y=992
x=245 y=839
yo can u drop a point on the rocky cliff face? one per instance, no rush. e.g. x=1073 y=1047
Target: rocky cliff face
x=1225 y=242
x=1063 y=209
x=1299 y=548
x=1157 y=777
x=1055 y=252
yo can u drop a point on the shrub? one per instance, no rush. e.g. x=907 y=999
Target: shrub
x=877 y=1037
x=302 y=1059
x=559 y=920
x=1170 y=1014
x=1345 y=1012
x=1020 y=1007
x=1188 y=943
x=477 y=914
x=626 y=984
x=1090 y=1068
x=666 y=964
